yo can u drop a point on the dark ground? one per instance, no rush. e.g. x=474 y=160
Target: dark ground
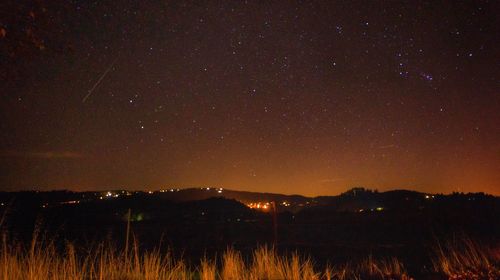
x=330 y=230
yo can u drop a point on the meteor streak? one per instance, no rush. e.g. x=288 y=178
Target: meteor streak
x=99 y=81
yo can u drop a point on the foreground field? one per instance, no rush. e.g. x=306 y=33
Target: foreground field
x=41 y=260
x=399 y=234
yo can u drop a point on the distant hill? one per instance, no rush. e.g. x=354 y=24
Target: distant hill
x=243 y=196
x=353 y=200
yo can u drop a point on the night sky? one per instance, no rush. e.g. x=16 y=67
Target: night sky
x=307 y=97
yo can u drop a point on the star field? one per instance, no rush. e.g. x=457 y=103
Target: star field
x=308 y=97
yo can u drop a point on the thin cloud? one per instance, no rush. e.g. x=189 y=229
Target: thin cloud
x=44 y=155
x=331 y=180
x=388 y=146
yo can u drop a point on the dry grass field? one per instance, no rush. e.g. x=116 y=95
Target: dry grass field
x=42 y=261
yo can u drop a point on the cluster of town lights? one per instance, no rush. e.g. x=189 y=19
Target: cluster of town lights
x=372 y=209
x=219 y=190
x=265 y=205
x=170 y=190
x=259 y=205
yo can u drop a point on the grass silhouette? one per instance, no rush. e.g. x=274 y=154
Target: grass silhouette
x=41 y=260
